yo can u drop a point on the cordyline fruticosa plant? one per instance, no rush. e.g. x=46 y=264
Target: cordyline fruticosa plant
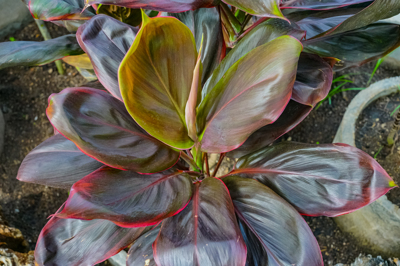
x=135 y=154
x=347 y=30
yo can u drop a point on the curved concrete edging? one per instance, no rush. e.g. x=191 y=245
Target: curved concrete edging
x=2 y=126
x=376 y=226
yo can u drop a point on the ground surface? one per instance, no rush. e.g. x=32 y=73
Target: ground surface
x=23 y=100
x=320 y=127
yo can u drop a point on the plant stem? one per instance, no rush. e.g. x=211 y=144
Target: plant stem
x=221 y=158
x=190 y=161
x=378 y=63
x=246 y=20
x=231 y=18
x=393 y=131
x=46 y=35
x=207 y=167
x=379 y=150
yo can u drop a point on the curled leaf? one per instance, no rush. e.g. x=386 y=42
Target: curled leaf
x=313 y=80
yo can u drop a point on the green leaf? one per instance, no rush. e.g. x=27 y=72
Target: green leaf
x=155 y=79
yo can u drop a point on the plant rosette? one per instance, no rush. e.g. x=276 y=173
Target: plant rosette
x=134 y=155
x=376 y=226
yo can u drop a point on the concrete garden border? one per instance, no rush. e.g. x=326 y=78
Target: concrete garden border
x=376 y=226
x=2 y=126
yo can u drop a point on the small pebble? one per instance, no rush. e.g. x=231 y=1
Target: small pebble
x=50 y=70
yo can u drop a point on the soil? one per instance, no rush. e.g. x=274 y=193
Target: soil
x=320 y=127
x=373 y=127
x=23 y=100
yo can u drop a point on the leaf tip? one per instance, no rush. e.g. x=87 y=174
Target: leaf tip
x=145 y=18
x=392 y=184
x=278 y=13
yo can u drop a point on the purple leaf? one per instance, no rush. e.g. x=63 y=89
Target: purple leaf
x=313 y=80
x=357 y=47
x=57 y=162
x=256 y=254
x=106 y=41
x=377 y=10
x=59 y=9
x=29 y=53
x=261 y=34
x=127 y=198
x=320 y=4
x=317 y=22
x=204 y=233
x=101 y=127
x=265 y=86
x=293 y=114
x=205 y=24
x=82 y=243
x=141 y=252
x=174 y=6
x=282 y=232
x=318 y=180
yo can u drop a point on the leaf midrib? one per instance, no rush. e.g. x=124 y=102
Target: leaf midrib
x=180 y=113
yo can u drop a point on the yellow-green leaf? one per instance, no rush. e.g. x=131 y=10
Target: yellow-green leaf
x=155 y=79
